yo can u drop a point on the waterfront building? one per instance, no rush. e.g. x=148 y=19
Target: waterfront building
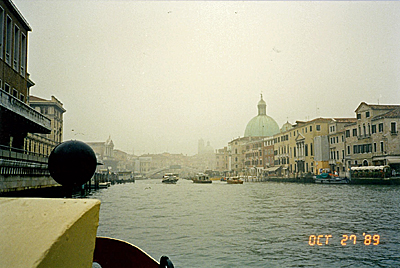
x=17 y=118
x=282 y=150
x=44 y=143
x=222 y=156
x=373 y=139
x=268 y=152
x=254 y=157
x=143 y=165
x=319 y=145
x=20 y=169
x=308 y=156
x=337 y=144
x=105 y=155
x=167 y=160
x=236 y=161
x=124 y=160
x=205 y=158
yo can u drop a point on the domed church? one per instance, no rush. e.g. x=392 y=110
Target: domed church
x=261 y=125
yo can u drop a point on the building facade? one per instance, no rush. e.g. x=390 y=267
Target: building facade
x=337 y=144
x=105 y=155
x=295 y=148
x=268 y=155
x=373 y=139
x=254 y=157
x=222 y=160
x=17 y=118
x=20 y=169
x=52 y=109
x=237 y=157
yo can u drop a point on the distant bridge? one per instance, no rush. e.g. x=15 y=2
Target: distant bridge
x=183 y=171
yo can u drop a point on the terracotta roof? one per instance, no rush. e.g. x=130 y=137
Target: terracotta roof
x=311 y=121
x=379 y=106
x=345 y=120
x=395 y=113
x=34 y=98
x=383 y=107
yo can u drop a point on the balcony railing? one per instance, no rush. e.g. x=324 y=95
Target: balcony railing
x=15 y=105
x=300 y=158
x=365 y=136
x=17 y=155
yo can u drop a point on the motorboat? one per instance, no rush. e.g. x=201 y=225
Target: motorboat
x=234 y=180
x=170 y=178
x=328 y=178
x=202 y=178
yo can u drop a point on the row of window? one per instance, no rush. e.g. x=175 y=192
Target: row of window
x=371 y=130
x=335 y=155
x=358 y=149
x=255 y=154
x=334 y=140
x=254 y=162
x=12 y=92
x=298 y=167
x=367 y=115
x=304 y=130
x=296 y=150
x=366 y=148
x=14 y=50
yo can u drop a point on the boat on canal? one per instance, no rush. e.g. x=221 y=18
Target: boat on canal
x=170 y=178
x=328 y=178
x=202 y=178
x=104 y=185
x=234 y=180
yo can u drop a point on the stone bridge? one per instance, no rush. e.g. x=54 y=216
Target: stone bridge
x=183 y=171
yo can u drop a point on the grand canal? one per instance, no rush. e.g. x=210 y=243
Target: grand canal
x=256 y=224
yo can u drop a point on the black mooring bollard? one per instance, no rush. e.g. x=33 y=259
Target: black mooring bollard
x=165 y=262
x=71 y=164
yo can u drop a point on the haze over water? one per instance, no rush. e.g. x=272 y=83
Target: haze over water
x=160 y=75
x=254 y=224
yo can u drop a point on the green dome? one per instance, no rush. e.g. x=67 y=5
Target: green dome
x=261 y=125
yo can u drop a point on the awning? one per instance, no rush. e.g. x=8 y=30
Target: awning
x=272 y=169
x=389 y=159
x=394 y=160
x=369 y=168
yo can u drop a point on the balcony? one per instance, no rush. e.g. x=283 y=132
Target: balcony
x=37 y=122
x=365 y=136
x=336 y=161
x=299 y=158
x=21 y=157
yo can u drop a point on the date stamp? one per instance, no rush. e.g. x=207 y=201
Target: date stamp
x=345 y=239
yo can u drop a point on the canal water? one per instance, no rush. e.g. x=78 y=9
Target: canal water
x=264 y=224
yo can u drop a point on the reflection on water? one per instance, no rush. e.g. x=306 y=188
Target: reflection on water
x=255 y=224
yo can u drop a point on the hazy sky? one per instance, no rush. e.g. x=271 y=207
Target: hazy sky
x=158 y=76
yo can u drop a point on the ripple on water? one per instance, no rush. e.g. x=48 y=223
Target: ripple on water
x=254 y=224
